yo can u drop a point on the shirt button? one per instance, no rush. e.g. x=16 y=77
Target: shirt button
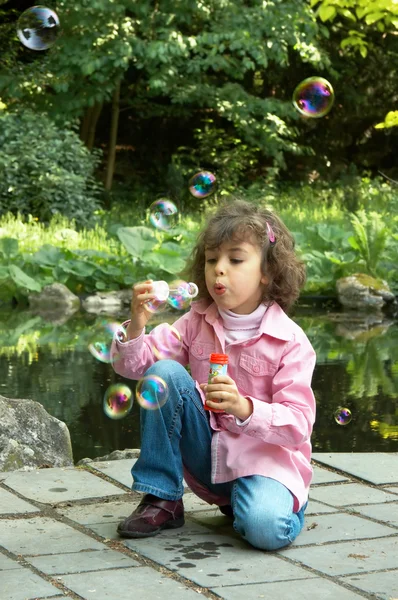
x=200 y=351
x=256 y=369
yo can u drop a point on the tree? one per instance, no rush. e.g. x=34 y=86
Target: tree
x=381 y=13
x=173 y=59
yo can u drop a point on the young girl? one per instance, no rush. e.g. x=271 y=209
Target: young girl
x=252 y=459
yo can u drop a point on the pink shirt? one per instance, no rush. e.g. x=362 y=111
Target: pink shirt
x=273 y=369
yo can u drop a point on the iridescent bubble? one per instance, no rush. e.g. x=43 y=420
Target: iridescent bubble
x=151 y=392
x=163 y=214
x=100 y=348
x=161 y=289
x=181 y=294
x=313 y=97
x=342 y=416
x=118 y=401
x=168 y=342
x=202 y=184
x=38 y=28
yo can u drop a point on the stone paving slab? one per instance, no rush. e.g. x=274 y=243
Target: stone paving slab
x=382 y=512
x=10 y=504
x=58 y=485
x=22 y=584
x=385 y=585
x=119 y=470
x=315 y=507
x=79 y=562
x=141 y=583
x=7 y=563
x=308 y=589
x=376 y=467
x=393 y=490
x=41 y=535
x=101 y=512
x=336 y=527
x=350 y=493
x=346 y=558
x=322 y=476
x=213 y=560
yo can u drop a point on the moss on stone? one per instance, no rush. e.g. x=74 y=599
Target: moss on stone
x=371 y=282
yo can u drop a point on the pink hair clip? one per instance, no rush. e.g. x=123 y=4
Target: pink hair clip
x=271 y=234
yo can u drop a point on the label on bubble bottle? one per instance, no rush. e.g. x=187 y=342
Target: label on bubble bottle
x=218 y=366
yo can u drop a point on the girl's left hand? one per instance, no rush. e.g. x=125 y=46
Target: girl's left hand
x=223 y=389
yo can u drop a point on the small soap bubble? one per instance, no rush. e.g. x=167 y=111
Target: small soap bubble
x=163 y=214
x=313 y=97
x=342 y=416
x=151 y=392
x=118 y=401
x=181 y=294
x=38 y=28
x=100 y=348
x=202 y=184
x=168 y=342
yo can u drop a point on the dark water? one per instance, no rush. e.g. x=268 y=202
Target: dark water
x=51 y=364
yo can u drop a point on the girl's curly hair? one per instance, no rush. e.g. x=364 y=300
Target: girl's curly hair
x=243 y=221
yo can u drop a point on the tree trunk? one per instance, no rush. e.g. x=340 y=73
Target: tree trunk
x=85 y=125
x=93 y=125
x=110 y=167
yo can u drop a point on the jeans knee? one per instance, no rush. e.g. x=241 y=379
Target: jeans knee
x=266 y=532
x=165 y=368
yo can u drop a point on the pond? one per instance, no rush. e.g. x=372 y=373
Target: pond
x=357 y=368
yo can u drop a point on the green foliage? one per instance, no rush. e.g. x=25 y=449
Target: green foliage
x=45 y=170
x=115 y=256
x=369 y=240
x=178 y=60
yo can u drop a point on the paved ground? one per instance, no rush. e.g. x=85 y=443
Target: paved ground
x=58 y=540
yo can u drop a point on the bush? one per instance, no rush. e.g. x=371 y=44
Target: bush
x=45 y=170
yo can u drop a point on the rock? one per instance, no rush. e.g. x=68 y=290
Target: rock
x=363 y=292
x=112 y=302
x=53 y=297
x=30 y=437
x=115 y=455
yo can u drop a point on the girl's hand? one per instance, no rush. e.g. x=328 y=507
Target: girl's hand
x=142 y=294
x=223 y=389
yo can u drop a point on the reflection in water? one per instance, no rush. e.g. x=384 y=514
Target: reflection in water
x=356 y=369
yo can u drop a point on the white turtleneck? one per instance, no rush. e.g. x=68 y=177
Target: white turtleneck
x=241 y=327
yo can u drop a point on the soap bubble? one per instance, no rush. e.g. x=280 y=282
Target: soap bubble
x=313 y=97
x=118 y=401
x=163 y=214
x=181 y=294
x=342 y=416
x=100 y=348
x=168 y=342
x=202 y=184
x=161 y=289
x=151 y=392
x=38 y=28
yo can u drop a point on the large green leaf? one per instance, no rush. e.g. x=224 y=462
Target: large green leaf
x=22 y=279
x=9 y=247
x=47 y=255
x=137 y=240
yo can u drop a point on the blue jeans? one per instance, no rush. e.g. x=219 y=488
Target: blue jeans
x=179 y=433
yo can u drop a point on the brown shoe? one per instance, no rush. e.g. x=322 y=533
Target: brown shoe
x=151 y=516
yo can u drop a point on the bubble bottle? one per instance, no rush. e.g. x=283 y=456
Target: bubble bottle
x=218 y=366
x=162 y=290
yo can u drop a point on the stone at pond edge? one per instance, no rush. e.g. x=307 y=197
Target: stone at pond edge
x=363 y=292
x=115 y=455
x=30 y=437
x=53 y=296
